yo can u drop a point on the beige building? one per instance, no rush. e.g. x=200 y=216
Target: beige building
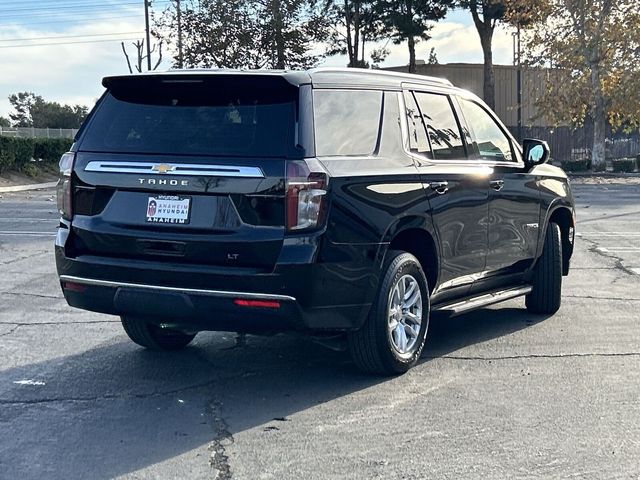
x=470 y=77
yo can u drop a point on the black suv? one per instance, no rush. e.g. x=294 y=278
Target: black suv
x=341 y=203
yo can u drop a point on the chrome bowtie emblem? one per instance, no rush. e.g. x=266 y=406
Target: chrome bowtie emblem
x=163 y=168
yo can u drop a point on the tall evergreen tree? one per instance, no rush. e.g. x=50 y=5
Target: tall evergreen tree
x=410 y=21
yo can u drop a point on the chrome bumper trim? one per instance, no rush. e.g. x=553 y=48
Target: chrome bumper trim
x=193 y=291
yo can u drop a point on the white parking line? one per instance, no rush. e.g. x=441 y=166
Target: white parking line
x=608 y=234
x=29 y=234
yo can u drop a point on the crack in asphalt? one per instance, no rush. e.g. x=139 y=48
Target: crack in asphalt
x=136 y=396
x=607 y=217
x=219 y=460
x=10 y=330
x=24 y=324
x=26 y=294
x=595 y=248
x=36 y=254
x=536 y=355
x=590 y=297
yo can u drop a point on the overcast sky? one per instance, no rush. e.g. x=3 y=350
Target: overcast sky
x=71 y=73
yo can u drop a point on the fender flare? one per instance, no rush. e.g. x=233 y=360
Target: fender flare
x=409 y=222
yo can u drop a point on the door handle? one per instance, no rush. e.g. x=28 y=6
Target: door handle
x=440 y=187
x=497 y=184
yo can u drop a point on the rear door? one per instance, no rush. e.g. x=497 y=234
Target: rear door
x=457 y=189
x=514 y=199
x=188 y=169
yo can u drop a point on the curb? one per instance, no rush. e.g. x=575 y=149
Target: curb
x=24 y=188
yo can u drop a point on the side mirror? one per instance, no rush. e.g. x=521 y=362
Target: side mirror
x=536 y=152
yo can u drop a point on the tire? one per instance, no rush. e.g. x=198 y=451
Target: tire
x=374 y=348
x=547 y=275
x=154 y=337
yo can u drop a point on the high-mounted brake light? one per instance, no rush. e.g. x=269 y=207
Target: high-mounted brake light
x=305 y=197
x=65 y=188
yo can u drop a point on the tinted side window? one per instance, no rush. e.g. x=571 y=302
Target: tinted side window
x=442 y=126
x=391 y=136
x=492 y=143
x=418 y=142
x=346 y=121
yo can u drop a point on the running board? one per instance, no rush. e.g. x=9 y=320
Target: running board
x=484 y=300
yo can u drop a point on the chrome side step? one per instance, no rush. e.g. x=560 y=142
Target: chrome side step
x=484 y=300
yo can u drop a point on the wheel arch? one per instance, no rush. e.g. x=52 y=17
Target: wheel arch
x=417 y=237
x=563 y=216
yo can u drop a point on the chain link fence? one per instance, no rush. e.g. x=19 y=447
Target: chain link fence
x=30 y=132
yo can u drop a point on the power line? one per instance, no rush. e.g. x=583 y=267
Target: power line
x=88 y=9
x=48 y=3
x=67 y=36
x=67 y=7
x=79 y=19
x=67 y=43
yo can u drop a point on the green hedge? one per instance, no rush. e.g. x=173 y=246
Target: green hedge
x=7 y=153
x=626 y=165
x=576 y=165
x=51 y=149
x=16 y=153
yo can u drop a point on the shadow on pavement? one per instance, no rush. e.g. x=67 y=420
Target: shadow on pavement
x=116 y=409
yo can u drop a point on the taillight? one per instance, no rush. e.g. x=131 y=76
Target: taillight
x=65 y=189
x=305 y=198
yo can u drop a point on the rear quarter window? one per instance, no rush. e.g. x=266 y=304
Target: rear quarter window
x=346 y=121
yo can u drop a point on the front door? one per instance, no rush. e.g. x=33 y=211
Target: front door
x=514 y=200
x=457 y=190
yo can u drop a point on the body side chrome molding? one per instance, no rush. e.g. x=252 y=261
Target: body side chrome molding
x=194 y=291
x=192 y=169
x=483 y=300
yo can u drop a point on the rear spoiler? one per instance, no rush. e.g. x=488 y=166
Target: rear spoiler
x=218 y=77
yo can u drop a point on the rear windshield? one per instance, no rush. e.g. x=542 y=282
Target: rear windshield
x=194 y=119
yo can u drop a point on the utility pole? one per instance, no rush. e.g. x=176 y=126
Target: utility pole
x=146 y=27
x=179 y=17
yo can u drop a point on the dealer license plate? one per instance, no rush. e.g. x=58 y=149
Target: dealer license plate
x=168 y=209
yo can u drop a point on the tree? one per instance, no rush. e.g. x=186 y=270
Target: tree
x=289 y=28
x=22 y=103
x=246 y=33
x=4 y=122
x=433 y=58
x=486 y=14
x=410 y=21
x=140 y=55
x=353 y=23
x=593 y=47
x=32 y=110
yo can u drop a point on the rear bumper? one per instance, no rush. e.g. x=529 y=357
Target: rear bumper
x=309 y=296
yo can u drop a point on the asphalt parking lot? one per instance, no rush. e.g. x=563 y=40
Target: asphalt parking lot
x=499 y=393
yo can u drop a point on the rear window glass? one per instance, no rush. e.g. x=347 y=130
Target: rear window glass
x=346 y=121
x=194 y=119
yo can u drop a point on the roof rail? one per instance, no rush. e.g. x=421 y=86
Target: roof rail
x=385 y=73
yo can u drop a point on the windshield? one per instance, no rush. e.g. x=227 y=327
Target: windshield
x=194 y=119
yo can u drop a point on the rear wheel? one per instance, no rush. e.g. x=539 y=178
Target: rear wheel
x=391 y=340
x=547 y=275
x=154 y=337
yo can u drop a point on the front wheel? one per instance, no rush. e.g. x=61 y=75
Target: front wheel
x=154 y=337
x=391 y=340
x=547 y=275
